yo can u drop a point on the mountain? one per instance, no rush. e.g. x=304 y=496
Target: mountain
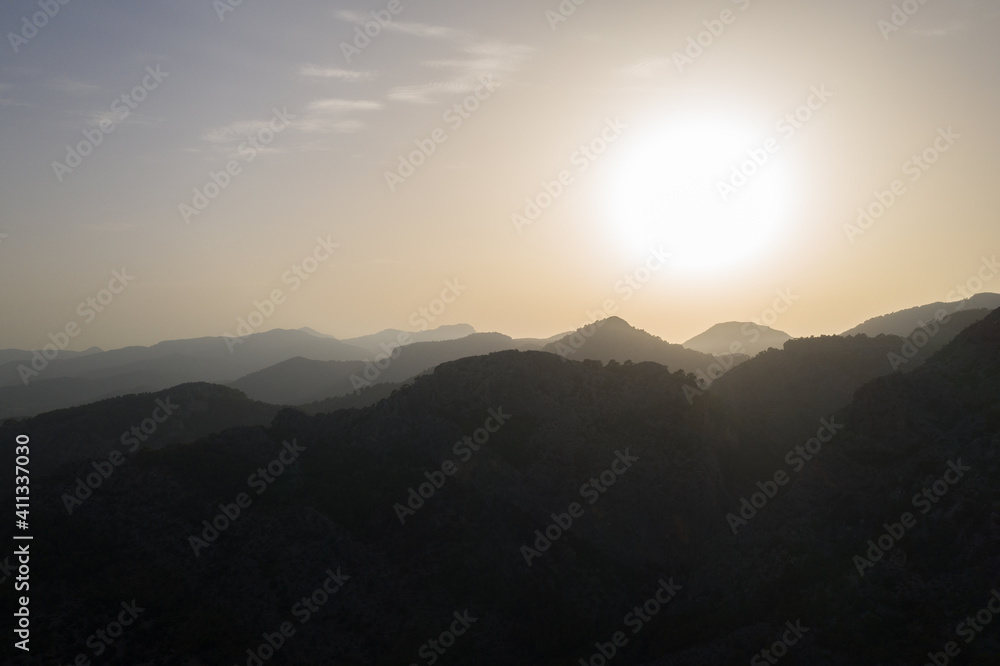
x=314 y=332
x=19 y=355
x=74 y=380
x=391 y=337
x=538 y=344
x=775 y=399
x=905 y=322
x=364 y=397
x=177 y=415
x=298 y=381
x=737 y=338
x=542 y=505
x=613 y=339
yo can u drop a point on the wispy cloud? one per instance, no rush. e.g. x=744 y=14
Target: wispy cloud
x=72 y=87
x=318 y=72
x=471 y=57
x=334 y=116
x=942 y=31
x=475 y=59
x=646 y=69
x=234 y=133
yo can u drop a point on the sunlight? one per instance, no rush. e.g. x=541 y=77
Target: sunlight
x=675 y=187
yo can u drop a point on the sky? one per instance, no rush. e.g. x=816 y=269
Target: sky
x=525 y=167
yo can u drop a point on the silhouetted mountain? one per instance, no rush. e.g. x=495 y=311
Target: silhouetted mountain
x=550 y=500
x=177 y=415
x=314 y=332
x=905 y=322
x=538 y=344
x=65 y=382
x=300 y=380
x=18 y=355
x=613 y=339
x=364 y=397
x=737 y=338
x=774 y=400
x=392 y=337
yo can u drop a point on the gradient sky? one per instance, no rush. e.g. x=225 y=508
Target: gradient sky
x=323 y=176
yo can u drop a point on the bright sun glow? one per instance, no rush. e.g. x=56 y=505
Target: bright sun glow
x=666 y=191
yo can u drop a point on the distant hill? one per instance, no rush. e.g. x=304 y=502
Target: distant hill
x=90 y=432
x=905 y=322
x=391 y=336
x=298 y=381
x=747 y=338
x=365 y=397
x=613 y=339
x=74 y=380
x=11 y=355
x=538 y=344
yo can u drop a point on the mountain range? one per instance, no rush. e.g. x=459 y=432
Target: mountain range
x=304 y=366
x=546 y=500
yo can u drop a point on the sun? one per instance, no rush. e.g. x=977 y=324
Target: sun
x=714 y=194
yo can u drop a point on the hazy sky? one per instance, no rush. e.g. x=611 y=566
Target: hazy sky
x=618 y=101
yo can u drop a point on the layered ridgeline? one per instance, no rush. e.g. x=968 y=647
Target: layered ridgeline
x=905 y=322
x=738 y=338
x=613 y=339
x=536 y=506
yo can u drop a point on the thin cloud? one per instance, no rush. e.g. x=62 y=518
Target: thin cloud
x=941 y=31
x=317 y=72
x=649 y=68
x=333 y=116
x=475 y=57
x=72 y=87
x=475 y=60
